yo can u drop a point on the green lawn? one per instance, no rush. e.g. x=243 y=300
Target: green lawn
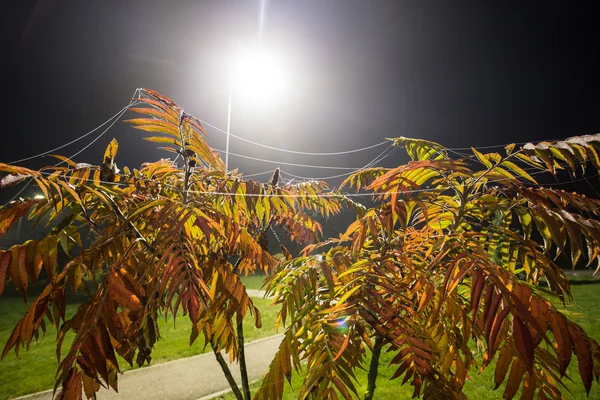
x=35 y=369
x=254 y=281
x=586 y=294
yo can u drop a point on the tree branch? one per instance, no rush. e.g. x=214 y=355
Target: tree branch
x=372 y=376
x=227 y=373
x=243 y=368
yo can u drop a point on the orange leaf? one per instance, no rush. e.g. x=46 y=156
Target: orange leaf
x=71 y=388
x=528 y=387
x=117 y=291
x=514 y=379
x=562 y=339
x=18 y=272
x=504 y=360
x=496 y=327
x=4 y=263
x=523 y=342
x=581 y=343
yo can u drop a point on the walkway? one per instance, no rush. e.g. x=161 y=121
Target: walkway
x=187 y=378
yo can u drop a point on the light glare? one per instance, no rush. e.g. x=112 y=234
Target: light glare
x=257 y=77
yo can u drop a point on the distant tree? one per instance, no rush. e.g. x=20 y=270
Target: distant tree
x=456 y=259
x=167 y=237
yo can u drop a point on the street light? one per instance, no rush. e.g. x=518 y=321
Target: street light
x=257 y=76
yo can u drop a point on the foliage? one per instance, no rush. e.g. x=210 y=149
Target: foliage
x=456 y=258
x=35 y=370
x=480 y=385
x=166 y=238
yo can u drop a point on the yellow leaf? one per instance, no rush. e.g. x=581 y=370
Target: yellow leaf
x=111 y=150
x=481 y=157
x=519 y=171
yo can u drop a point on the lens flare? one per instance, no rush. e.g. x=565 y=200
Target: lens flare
x=257 y=77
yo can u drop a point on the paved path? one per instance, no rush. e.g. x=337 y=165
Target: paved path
x=582 y=273
x=187 y=378
x=256 y=293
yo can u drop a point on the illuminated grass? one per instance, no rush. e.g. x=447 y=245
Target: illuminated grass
x=35 y=369
x=586 y=295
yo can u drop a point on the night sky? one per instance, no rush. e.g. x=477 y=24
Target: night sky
x=461 y=73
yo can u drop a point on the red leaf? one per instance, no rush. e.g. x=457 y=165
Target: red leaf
x=71 y=388
x=477 y=286
x=17 y=271
x=117 y=291
x=562 y=339
x=523 y=343
x=4 y=263
x=514 y=379
x=583 y=350
x=504 y=360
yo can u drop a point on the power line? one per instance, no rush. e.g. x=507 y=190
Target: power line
x=455 y=150
x=117 y=115
x=324 y=195
x=372 y=163
x=259 y=173
x=306 y=153
x=97 y=137
x=357 y=150
x=285 y=163
x=494 y=146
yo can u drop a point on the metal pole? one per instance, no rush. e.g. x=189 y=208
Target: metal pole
x=228 y=128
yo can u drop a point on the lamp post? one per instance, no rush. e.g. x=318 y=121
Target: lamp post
x=228 y=130
x=256 y=76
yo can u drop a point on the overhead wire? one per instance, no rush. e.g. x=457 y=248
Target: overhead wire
x=141 y=93
x=329 y=195
x=334 y=195
x=495 y=146
x=352 y=170
x=370 y=164
x=306 y=153
x=265 y=160
x=97 y=137
x=114 y=118
x=354 y=150
x=259 y=173
x=117 y=115
x=455 y=150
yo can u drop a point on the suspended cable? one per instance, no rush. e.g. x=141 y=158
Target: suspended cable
x=114 y=117
x=285 y=163
x=259 y=173
x=376 y=160
x=325 y=195
x=452 y=149
x=306 y=153
x=19 y=192
x=117 y=115
x=97 y=137
x=493 y=146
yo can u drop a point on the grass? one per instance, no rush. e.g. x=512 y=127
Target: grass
x=254 y=281
x=586 y=295
x=35 y=369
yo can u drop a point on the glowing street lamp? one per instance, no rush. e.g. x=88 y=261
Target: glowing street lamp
x=257 y=76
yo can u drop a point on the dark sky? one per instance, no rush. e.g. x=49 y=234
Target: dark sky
x=461 y=73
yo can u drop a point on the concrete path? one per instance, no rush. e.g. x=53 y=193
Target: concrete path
x=187 y=379
x=582 y=273
x=256 y=293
